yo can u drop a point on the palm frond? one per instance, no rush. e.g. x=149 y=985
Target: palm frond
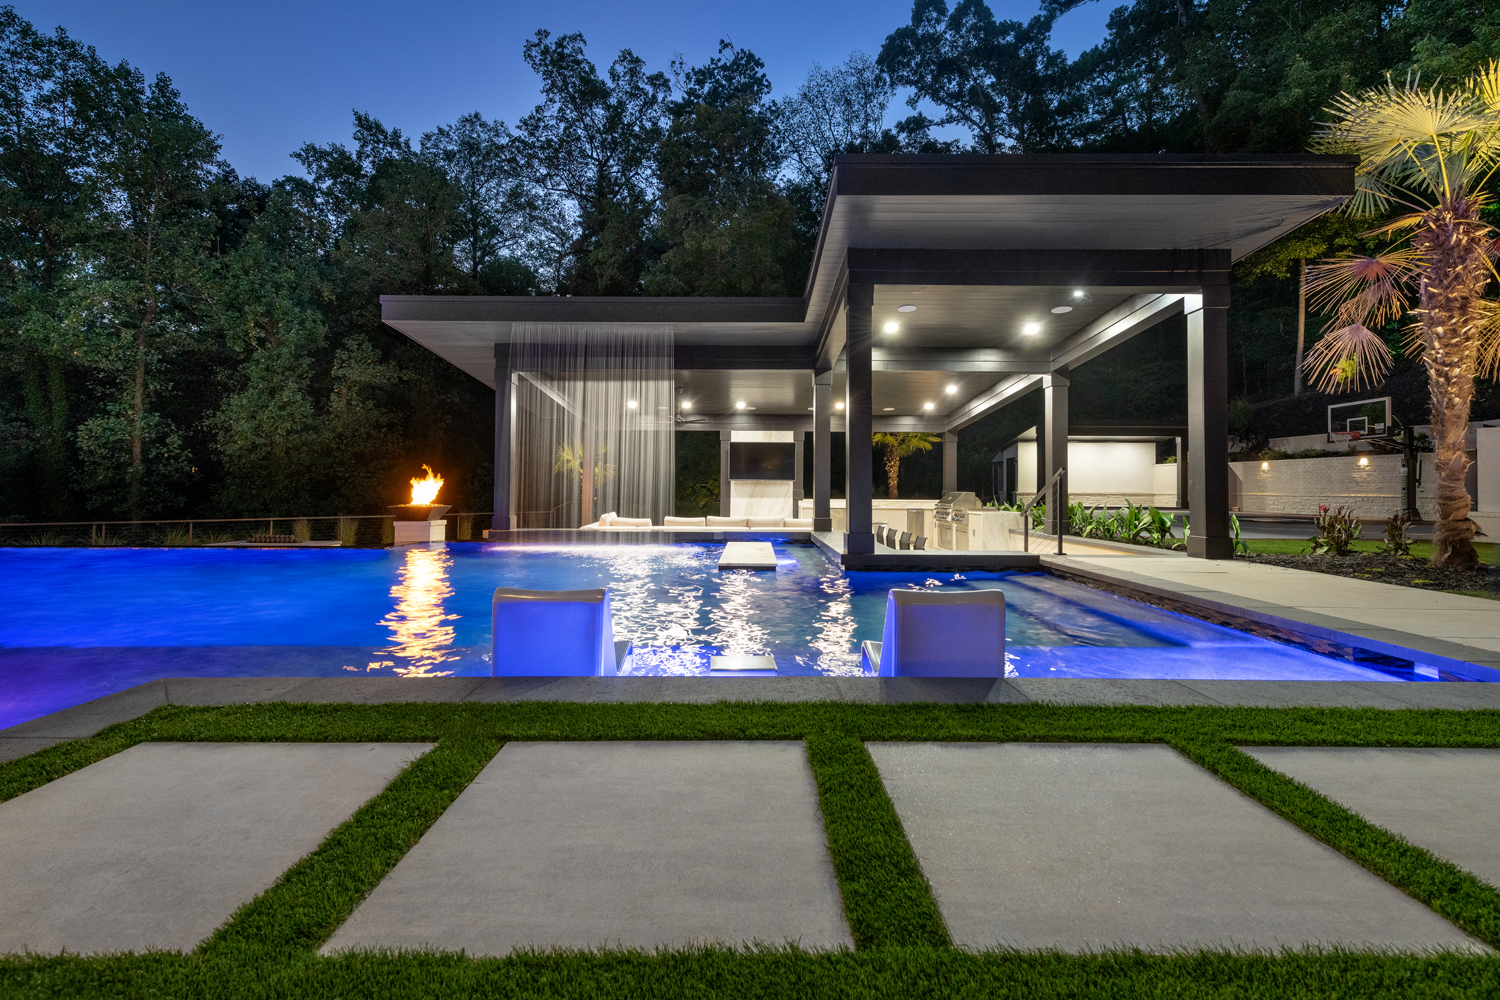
x=1347 y=358
x=1364 y=290
x=1488 y=364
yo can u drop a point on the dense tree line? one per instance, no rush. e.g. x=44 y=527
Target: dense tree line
x=176 y=339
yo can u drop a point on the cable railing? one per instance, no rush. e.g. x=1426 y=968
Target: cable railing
x=349 y=530
x=1059 y=478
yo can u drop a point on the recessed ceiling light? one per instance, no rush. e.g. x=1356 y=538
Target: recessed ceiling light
x=1032 y=329
x=687 y=404
x=906 y=309
x=951 y=389
x=891 y=326
x=630 y=405
x=740 y=405
x=838 y=406
x=888 y=409
x=1062 y=309
x=809 y=407
x=927 y=406
x=1079 y=293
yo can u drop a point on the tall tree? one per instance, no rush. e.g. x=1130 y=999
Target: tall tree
x=591 y=143
x=899 y=445
x=725 y=227
x=1002 y=80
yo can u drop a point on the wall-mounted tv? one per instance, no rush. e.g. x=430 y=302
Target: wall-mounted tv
x=762 y=460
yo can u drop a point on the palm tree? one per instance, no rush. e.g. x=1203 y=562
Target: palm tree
x=1430 y=153
x=897 y=446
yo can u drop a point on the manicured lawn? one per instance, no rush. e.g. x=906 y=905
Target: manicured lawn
x=268 y=948
x=1489 y=552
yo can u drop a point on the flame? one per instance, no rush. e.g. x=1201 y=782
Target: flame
x=425 y=491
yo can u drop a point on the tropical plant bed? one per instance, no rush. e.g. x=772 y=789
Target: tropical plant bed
x=1405 y=571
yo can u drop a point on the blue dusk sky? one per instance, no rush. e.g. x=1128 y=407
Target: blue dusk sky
x=269 y=75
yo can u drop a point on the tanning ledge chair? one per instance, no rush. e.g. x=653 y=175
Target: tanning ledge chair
x=940 y=633
x=553 y=633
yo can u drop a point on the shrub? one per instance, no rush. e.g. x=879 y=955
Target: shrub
x=1337 y=530
x=1396 y=543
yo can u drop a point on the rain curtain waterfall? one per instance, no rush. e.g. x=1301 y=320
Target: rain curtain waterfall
x=594 y=422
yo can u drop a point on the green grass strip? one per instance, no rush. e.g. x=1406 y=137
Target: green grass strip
x=887 y=899
x=1454 y=893
x=317 y=894
x=268 y=949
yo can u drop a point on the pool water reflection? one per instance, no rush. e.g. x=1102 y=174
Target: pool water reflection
x=81 y=623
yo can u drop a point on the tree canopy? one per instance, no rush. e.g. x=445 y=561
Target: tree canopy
x=178 y=340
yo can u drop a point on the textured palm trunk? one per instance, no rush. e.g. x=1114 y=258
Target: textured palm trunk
x=1448 y=312
x=892 y=470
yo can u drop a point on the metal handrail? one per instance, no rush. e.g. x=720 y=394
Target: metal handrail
x=1026 y=512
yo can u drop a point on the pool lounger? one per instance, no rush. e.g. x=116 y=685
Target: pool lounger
x=940 y=633
x=554 y=633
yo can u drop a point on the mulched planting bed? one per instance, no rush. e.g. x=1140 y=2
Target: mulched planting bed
x=1406 y=571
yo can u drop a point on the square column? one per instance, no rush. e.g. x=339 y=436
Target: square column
x=724 y=438
x=822 y=450
x=859 y=450
x=797 y=494
x=950 y=462
x=1055 y=446
x=1208 y=423
x=504 y=500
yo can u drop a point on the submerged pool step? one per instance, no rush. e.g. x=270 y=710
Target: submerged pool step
x=748 y=555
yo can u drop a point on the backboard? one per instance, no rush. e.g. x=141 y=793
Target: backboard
x=1360 y=420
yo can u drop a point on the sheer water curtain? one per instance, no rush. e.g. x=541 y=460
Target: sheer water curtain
x=594 y=422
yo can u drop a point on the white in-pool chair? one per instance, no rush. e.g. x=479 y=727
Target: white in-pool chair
x=940 y=633
x=553 y=633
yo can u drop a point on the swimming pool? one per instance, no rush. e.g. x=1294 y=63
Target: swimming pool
x=82 y=623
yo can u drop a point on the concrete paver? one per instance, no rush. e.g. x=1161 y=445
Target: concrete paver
x=156 y=846
x=1446 y=800
x=616 y=844
x=1084 y=847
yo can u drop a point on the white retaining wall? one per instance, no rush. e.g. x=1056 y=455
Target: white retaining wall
x=1301 y=485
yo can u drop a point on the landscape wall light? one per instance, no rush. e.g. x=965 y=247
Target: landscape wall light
x=1364 y=461
x=1265 y=466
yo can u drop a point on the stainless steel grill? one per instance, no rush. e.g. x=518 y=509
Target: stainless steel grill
x=954 y=507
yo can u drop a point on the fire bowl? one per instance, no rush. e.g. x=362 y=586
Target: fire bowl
x=419 y=511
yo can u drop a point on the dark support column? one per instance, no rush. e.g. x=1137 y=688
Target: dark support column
x=950 y=462
x=1182 y=480
x=505 y=426
x=724 y=437
x=1055 y=443
x=822 y=443
x=1208 y=423
x=859 y=486
x=799 y=439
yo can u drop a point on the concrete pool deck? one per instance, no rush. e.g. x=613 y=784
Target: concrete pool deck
x=1445 y=631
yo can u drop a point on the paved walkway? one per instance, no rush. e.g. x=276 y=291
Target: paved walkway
x=1446 y=630
x=90 y=717
x=1070 y=846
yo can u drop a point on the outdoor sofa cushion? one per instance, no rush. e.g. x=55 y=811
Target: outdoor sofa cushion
x=684 y=522
x=727 y=522
x=800 y=523
x=766 y=522
x=630 y=522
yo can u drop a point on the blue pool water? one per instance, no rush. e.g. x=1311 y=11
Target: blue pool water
x=81 y=623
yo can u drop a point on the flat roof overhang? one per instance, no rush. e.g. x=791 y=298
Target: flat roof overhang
x=1048 y=222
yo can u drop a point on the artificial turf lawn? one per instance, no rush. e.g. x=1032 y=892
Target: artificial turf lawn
x=1489 y=552
x=268 y=948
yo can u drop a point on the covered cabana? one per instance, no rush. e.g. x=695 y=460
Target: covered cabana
x=942 y=288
